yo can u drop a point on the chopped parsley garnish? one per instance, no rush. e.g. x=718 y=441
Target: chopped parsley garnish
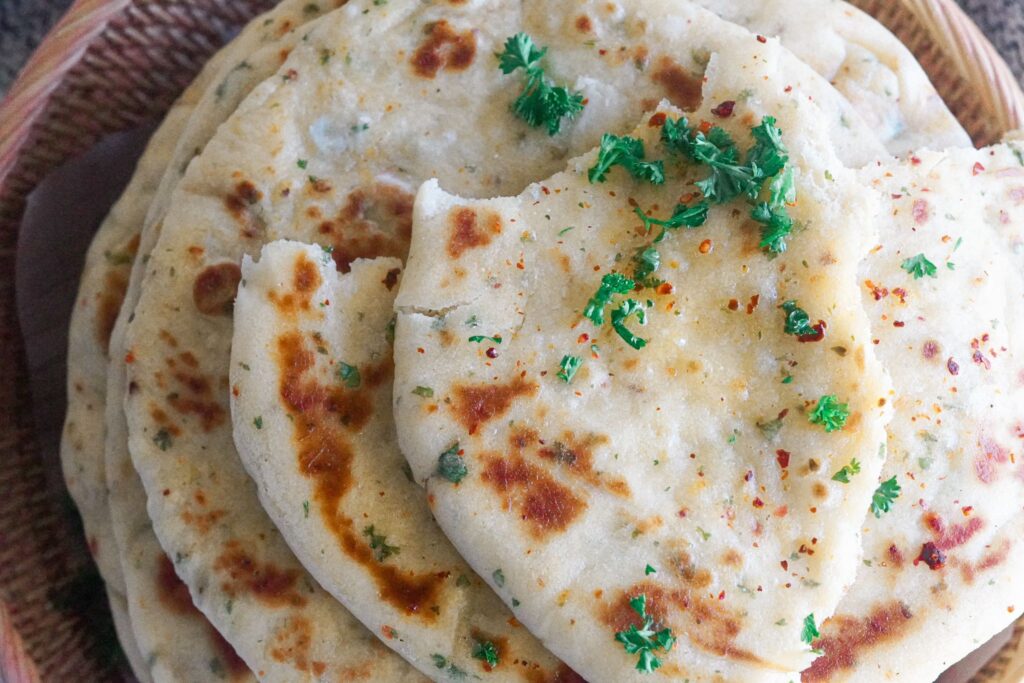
x=485 y=651
x=683 y=216
x=646 y=261
x=629 y=153
x=499 y=578
x=258 y=422
x=379 y=544
x=645 y=640
x=349 y=375
x=847 y=471
x=621 y=315
x=541 y=103
x=568 y=368
x=441 y=662
x=163 y=439
x=798 y=323
x=302 y=163
x=730 y=178
x=810 y=631
x=882 y=500
x=770 y=428
x=477 y=338
x=611 y=284
x=830 y=413
x=451 y=466
x=648 y=570
x=424 y=392
x=919 y=266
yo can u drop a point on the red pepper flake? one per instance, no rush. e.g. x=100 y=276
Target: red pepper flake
x=979 y=358
x=967 y=509
x=916 y=161
x=901 y=293
x=705 y=247
x=657 y=120
x=544 y=189
x=762 y=39
x=788 y=88
x=129 y=358
x=583 y=338
x=492 y=352
x=752 y=306
x=388 y=632
x=665 y=288
x=978 y=168
x=758 y=503
x=749 y=475
x=898 y=323
x=705 y=127
x=785 y=565
x=721 y=596
x=816 y=336
x=920 y=210
x=953 y=367
x=733 y=304
x=782 y=457
x=725 y=109
x=878 y=292
x=931 y=556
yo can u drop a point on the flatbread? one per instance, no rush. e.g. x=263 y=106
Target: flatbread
x=863 y=60
x=359 y=103
x=101 y=291
x=311 y=406
x=954 y=344
x=123 y=628
x=688 y=471
x=178 y=642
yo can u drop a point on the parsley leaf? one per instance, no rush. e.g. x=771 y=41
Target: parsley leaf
x=441 y=662
x=451 y=466
x=919 y=267
x=646 y=261
x=683 y=216
x=621 y=314
x=479 y=338
x=379 y=544
x=882 y=500
x=258 y=422
x=798 y=323
x=830 y=413
x=569 y=366
x=810 y=631
x=486 y=651
x=731 y=178
x=163 y=439
x=611 y=284
x=847 y=471
x=349 y=375
x=645 y=641
x=423 y=392
x=629 y=153
x=540 y=103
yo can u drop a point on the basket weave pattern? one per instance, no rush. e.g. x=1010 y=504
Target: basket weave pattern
x=111 y=65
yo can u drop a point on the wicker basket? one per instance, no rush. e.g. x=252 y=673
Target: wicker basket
x=111 y=65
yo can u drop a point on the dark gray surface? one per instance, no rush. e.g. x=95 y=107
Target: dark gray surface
x=1003 y=22
x=23 y=23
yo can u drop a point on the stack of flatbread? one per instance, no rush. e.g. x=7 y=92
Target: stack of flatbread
x=607 y=341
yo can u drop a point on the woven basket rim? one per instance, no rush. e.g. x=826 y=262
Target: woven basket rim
x=36 y=88
x=60 y=50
